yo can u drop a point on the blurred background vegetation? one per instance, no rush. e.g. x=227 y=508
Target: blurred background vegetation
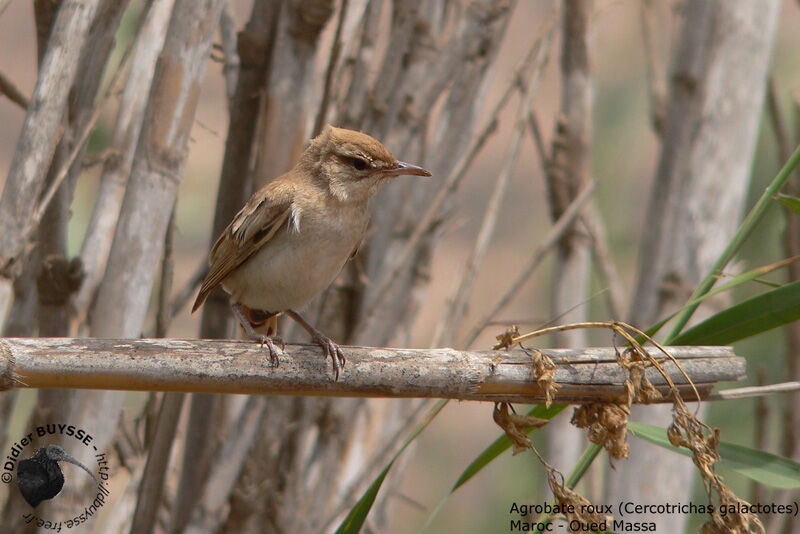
x=624 y=154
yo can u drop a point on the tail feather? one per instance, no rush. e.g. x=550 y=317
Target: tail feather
x=201 y=297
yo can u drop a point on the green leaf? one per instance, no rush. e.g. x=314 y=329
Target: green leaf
x=752 y=274
x=790 y=202
x=491 y=452
x=358 y=514
x=583 y=464
x=745 y=229
x=502 y=443
x=766 y=311
x=763 y=467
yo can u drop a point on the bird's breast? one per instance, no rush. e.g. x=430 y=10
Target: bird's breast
x=298 y=263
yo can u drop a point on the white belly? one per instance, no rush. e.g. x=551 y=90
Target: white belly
x=287 y=274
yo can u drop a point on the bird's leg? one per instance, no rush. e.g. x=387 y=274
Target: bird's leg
x=328 y=346
x=274 y=352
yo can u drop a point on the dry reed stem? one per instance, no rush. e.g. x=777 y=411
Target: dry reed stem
x=77 y=149
x=655 y=71
x=619 y=328
x=10 y=90
x=607 y=423
x=456 y=306
x=754 y=391
x=555 y=233
x=452 y=181
x=585 y=375
x=333 y=59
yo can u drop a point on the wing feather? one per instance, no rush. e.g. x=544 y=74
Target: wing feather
x=254 y=226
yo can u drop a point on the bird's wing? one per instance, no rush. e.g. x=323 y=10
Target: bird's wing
x=260 y=219
x=355 y=250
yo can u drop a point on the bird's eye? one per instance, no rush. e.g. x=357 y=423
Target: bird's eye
x=359 y=164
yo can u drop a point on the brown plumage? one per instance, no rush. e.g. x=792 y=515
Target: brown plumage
x=293 y=236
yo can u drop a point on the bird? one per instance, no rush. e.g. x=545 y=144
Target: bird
x=39 y=478
x=292 y=238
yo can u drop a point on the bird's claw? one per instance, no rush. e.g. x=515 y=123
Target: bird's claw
x=274 y=352
x=332 y=350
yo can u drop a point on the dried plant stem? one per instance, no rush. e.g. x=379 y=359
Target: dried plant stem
x=556 y=232
x=538 y=140
x=255 y=46
x=8 y=88
x=349 y=495
x=333 y=59
x=701 y=170
x=188 y=290
x=357 y=64
x=777 y=120
x=124 y=294
x=760 y=433
x=239 y=367
x=593 y=224
x=77 y=149
x=208 y=513
x=456 y=306
x=163 y=317
x=285 y=108
x=452 y=182
x=791 y=245
x=618 y=327
x=155 y=470
x=119 y=158
x=42 y=128
x=755 y=391
x=231 y=64
x=655 y=70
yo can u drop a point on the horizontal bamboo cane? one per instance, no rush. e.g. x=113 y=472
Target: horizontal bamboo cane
x=214 y=366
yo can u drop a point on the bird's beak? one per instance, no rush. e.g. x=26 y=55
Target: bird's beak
x=403 y=168
x=70 y=459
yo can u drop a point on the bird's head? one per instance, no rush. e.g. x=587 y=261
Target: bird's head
x=57 y=454
x=353 y=164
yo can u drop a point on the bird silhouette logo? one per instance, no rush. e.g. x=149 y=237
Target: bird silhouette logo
x=40 y=478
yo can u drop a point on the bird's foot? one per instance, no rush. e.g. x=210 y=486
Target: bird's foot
x=242 y=314
x=272 y=345
x=329 y=348
x=332 y=350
